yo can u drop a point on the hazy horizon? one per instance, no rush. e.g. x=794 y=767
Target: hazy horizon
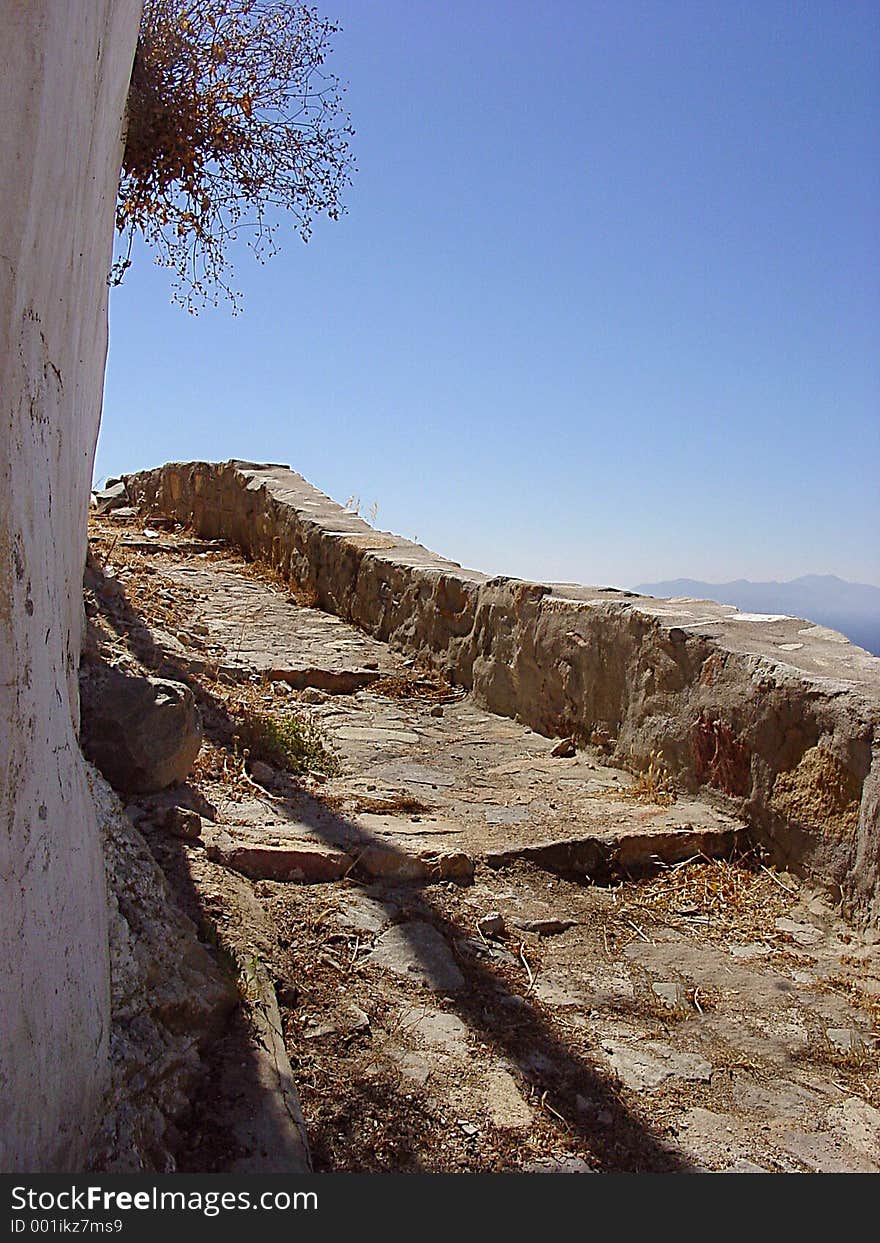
x=602 y=309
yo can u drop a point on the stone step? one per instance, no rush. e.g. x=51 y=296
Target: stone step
x=297 y=859
x=637 y=853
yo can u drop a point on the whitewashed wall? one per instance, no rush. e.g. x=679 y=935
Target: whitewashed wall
x=64 y=71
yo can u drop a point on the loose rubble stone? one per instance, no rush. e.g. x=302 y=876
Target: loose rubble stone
x=671 y=994
x=112 y=497
x=180 y=822
x=546 y=927
x=262 y=773
x=142 y=733
x=803 y=934
x=364 y=914
x=557 y=1165
x=413 y=1066
x=859 y=1123
x=564 y=749
x=392 y=863
x=347 y=1021
x=491 y=925
x=846 y=1039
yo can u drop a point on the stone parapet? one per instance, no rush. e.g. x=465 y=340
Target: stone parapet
x=776 y=717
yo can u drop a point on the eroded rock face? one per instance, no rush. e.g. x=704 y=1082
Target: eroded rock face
x=168 y=998
x=142 y=733
x=751 y=711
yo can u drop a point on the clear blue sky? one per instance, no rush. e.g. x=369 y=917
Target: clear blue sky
x=605 y=305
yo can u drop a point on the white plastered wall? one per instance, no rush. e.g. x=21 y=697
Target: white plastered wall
x=64 y=71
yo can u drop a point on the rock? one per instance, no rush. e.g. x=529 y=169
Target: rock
x=413 y=1066
x=564 y=749
x=113 y=497
x=859 y=1123
x=437 y=710
x=507 y=1108
x=552 y=992
x=846 y=1040
x=648 y=1065
x=142 y=733
x=602 y=739
x=364 y=914
x=442 y=1031
x=480 y=948
x=671 y=994
x=822 y=1153
x=491 y=925
x=506 y=815
x=418 y=952
x=557 y=1165
x=184 y=796
x=180 y=822
x=546 y=927
x=392 y=863
x=802 y=934
x=169 y=1001
x=270 y=1134
x=263 y=773
x=347 y=1021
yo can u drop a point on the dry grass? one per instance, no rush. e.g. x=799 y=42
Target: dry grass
x=394 y=805
x=721 y=759
x=718 y=897
x=653 y=785
x=421 y=684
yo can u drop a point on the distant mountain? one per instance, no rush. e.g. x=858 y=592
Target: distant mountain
x=851 y=608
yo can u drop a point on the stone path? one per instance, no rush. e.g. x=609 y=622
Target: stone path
x=495 y=958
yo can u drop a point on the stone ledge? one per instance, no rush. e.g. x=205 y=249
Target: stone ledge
x=777 y=718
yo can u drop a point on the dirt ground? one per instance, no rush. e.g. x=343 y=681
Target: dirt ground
x=487 y=957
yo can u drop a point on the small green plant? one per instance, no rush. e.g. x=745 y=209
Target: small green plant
x=249 y=977
x=288 y=741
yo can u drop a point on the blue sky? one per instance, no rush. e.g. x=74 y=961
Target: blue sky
x=604 y=307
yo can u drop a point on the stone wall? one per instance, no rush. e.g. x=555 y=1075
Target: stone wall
x=776 y=717
x=63 y=84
